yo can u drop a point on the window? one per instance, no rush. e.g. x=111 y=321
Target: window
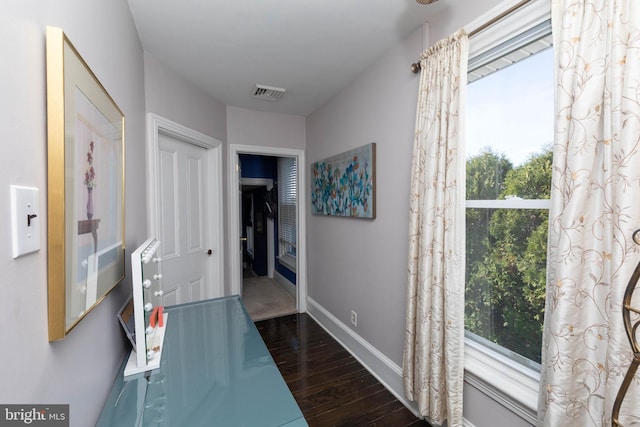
x=287 y=200
x=509 y=136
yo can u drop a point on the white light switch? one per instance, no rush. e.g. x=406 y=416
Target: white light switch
x=25 y=220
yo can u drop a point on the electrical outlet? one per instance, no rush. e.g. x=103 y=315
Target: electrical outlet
x=354 y=318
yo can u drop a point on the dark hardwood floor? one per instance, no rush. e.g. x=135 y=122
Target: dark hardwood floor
x=330 y=385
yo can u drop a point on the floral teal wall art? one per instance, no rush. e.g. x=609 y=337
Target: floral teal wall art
x=344 y=185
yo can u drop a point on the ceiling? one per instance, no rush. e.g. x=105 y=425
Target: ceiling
x=312 y=48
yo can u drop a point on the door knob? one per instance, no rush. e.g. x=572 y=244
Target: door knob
x=209 y=252
x=243 y=239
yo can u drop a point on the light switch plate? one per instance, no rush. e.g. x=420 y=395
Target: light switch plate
x=25 y=220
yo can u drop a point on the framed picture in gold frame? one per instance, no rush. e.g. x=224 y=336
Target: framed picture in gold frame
x=85 y=189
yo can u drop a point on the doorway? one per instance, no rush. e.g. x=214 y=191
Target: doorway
x=184 y=199
x=237 y=234
x=268 y=284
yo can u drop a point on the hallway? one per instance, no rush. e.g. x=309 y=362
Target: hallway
x=265 y=298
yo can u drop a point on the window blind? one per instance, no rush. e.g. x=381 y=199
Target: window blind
x=509 y=52
x=287 y=199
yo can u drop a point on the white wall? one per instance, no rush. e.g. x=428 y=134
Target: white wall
x=171 y=96
x=78 y=370
x=250 y=127
x=361 y=265
x=356 y=264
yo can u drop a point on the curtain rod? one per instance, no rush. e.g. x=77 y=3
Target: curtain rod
x=415 y=67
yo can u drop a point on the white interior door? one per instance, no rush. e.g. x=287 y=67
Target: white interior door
x=183 y=220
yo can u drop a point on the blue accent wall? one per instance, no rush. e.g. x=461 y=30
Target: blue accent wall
x=280 y=268
x=256 y=166
x=290 y=275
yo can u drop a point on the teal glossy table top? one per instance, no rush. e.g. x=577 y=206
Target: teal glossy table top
x=215 y=371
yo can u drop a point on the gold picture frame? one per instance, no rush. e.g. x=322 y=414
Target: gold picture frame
x=85 y=189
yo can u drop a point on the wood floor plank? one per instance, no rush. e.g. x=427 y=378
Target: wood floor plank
x=400 y=416
x=331 y=387
x=336 y=396
x=320 y=379
x=356 y=411
x=351 y=378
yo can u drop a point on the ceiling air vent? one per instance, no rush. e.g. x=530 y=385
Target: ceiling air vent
x=268 y=93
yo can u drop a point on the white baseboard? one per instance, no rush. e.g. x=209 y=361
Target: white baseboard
x=285 y=283
x=380 y=366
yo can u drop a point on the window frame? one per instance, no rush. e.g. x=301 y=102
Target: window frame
x=506 y=381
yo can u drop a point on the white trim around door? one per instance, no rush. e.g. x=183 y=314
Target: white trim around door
x=235 y=263
x=158 y=125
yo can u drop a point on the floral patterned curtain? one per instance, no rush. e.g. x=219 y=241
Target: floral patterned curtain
x=434 y=338
x=595 y=209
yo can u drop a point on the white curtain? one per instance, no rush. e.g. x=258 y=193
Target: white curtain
x=595 y=209
x=434 y=337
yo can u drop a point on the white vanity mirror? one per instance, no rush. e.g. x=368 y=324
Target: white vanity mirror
x=142 y=318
